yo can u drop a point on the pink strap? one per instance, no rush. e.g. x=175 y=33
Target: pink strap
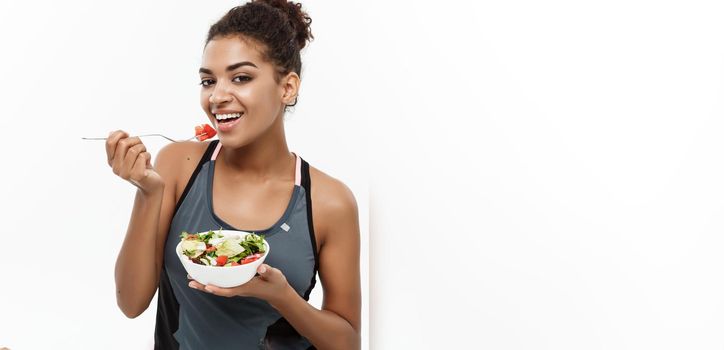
x=216 y=151
x=298 y=172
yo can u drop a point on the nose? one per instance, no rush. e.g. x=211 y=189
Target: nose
x=220 y=94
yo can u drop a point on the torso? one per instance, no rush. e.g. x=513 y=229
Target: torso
x=253 y=205
x=206 y=205
x=263 y=203
x=186 y=318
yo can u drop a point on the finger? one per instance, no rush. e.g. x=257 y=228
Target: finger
x=131 y=158
x=111 y=143
x=121 y=153
x=138 y=172
x=196 y=285
x=224 y=292
x=267 y=272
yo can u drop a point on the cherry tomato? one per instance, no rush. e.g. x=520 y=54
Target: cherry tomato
x=205 y=129
x=251 y=258
x=221 y=260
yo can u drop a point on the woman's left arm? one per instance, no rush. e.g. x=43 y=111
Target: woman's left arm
x=337 y=324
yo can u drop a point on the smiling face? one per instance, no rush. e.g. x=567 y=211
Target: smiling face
x=239 y=93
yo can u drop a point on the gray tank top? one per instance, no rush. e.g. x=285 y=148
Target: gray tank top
x=191 y=319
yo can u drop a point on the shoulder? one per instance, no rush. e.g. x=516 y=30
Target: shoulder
x=176 y=151
x=176 y=161
x=334 y=205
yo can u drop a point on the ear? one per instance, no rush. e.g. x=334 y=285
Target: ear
x=290 y=88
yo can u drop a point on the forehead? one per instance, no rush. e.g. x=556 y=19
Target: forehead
x=221 y=52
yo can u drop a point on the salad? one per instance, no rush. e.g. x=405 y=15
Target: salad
x=212 y=248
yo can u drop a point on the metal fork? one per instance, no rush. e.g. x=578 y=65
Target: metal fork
x=167 y=138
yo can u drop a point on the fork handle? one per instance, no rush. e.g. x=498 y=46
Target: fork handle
x=105 y=138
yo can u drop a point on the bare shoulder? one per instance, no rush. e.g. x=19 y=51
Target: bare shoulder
x=176 y=162
x=334 y=207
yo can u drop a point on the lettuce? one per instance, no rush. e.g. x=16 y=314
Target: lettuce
x=192 y=248
x=229 y=247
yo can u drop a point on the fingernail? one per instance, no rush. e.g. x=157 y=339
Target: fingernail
x=191 y=285
x=188 y=276
x=262 y=269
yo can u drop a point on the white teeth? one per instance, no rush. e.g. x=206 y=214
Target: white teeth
x=227 y=116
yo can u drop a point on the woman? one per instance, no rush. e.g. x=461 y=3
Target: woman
x=246 y=180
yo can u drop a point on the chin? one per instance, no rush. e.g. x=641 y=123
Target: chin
x=233 y=141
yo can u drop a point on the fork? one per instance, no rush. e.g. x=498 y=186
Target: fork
x=167 y=138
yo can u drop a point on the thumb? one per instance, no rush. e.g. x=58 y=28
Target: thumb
x=265 y=271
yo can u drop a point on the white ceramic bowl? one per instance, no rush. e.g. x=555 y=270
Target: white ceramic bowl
x=222 y=276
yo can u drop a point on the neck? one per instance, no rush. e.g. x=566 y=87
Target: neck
x=267 y=157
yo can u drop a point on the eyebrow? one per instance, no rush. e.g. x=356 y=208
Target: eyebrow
x=229 y=68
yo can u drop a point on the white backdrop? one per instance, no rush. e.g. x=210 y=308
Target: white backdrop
x=543 y=175
x=547 y=175
x=84 y=68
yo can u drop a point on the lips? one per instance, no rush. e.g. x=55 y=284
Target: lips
x=227 y=125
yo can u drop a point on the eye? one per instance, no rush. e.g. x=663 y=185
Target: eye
x=243 y=78
x=203 y=82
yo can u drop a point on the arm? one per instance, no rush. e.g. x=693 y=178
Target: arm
x=139 y=261
x=337 y=324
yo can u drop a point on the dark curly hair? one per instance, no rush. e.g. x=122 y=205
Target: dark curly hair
x=279 y=25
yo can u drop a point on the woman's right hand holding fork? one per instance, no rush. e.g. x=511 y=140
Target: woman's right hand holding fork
x=128 y=158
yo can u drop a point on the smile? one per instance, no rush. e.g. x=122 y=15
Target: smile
x=225 y=118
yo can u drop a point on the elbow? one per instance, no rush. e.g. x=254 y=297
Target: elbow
x=130 y=309
x=132 y=313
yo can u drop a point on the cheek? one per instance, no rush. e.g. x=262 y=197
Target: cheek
x=246 y=96
x=269 y=100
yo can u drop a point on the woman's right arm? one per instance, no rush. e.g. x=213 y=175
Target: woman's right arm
x=138 y=266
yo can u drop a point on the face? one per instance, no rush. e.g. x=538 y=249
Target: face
x=239 y=93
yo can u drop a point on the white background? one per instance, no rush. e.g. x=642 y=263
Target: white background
x=543 y=175
x=547 y=175
x=84 y=68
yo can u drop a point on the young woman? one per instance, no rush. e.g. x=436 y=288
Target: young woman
x=246 y=180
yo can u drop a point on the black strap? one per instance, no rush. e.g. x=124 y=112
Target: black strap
x=307 y=184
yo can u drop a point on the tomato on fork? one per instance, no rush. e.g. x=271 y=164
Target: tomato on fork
x=204 y=132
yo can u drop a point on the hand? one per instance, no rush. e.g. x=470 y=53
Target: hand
x=270 y=285
x=130 y=161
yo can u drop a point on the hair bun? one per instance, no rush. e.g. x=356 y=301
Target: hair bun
x=299 y=20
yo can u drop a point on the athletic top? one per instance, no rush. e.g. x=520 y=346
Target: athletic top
x=191 y=319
